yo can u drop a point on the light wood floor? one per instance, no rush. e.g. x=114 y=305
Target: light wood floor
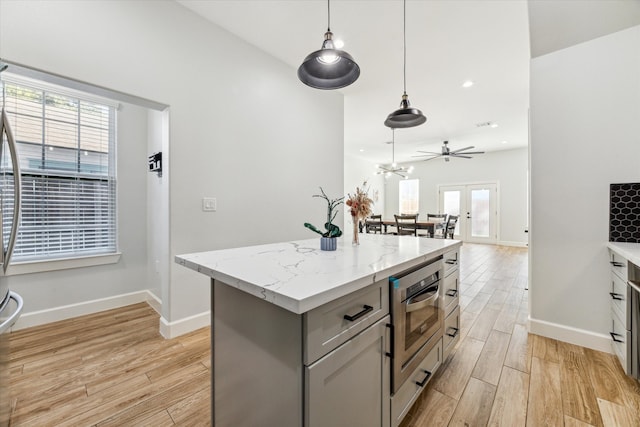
x=114 y=369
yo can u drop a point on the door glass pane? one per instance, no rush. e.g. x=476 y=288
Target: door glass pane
x=451 y=202
x=480 y=212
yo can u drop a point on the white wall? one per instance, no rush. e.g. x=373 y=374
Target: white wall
x=507 y=167
x=242 y=128
x=585 y=130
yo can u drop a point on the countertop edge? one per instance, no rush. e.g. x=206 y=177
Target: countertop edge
x=629 y=251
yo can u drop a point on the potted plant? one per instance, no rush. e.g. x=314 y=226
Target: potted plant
x=328 y=241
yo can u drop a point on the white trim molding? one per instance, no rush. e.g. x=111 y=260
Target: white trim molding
x=183 y=326
x=64 y=312
x=571 y=335
x=514 y=244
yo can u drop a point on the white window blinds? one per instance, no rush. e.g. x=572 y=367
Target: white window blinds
x=66 y=146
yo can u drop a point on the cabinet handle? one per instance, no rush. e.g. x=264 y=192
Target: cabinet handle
x=614 y=335
x=451 y=261
x=365 y=310
x=389 y=354
x=426 y=378
x=616 y=296
x=616 y=264
x=452 y=292
x=455 y=332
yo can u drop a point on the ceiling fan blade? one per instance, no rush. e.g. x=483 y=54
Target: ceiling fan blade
x=473 y=152
x=461 y=155
x=431 y=158
x=462 y=149
x=427 y=152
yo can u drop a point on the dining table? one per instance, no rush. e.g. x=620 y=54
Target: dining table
x=430 y=226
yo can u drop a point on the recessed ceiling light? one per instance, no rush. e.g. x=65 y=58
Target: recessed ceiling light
x=362 y=150
x=494 y=125
x=467 y=83
x=504 y=142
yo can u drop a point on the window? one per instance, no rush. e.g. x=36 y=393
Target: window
x=408 y=190
x=66 y=147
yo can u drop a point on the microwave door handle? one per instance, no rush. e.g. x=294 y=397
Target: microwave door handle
x=13 y=150
x=416 y=303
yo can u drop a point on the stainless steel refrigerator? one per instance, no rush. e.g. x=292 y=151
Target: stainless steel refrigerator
x=10 y=302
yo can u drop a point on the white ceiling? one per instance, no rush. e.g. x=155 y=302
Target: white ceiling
x=448 y=42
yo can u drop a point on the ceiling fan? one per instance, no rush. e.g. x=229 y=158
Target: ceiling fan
x=447 y=153
x=393 y=168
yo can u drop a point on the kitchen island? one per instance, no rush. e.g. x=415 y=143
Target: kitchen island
x=301 y=336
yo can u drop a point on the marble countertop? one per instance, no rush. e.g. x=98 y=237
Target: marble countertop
x=630 y=251
x=299 y=277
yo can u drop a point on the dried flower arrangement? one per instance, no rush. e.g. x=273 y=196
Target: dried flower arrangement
x=360 y=202
x=361 y=205
x=332 y=229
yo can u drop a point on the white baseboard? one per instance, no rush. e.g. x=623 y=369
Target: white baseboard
x=154 y=302
x=64 y=312
x=571 y=335
x=183 y=326
x=516 y=244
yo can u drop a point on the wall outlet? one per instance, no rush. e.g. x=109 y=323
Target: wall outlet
x=209 y=204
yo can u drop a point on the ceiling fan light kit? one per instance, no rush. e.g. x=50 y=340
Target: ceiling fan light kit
x=387 y=171
x=328 y=68
x=406 y=116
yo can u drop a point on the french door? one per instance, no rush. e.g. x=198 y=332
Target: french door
x=477 y=209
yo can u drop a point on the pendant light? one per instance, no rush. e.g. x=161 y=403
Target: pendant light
x=328 y=68
x=406 y=116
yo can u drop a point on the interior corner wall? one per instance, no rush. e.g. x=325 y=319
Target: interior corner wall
x=243 y=129
x=158 y=211
x=585 y=105
x=507 y=167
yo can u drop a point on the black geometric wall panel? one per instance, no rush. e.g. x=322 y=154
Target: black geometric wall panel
x=624 y=213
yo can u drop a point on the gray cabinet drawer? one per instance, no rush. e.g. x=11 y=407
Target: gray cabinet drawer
x=618 y=265
x=621 y=341
x=405 y=397
x=450 y=288
x=619 y=296
x=451 y=260
x=328 y=326
x=451 y=331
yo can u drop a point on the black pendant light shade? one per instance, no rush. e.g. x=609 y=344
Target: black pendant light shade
x=328 y=68
x=406 y=116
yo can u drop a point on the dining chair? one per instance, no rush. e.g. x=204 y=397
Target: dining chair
x=374 y=224
x=406 y=225
x=439 y=220
x=450 y=229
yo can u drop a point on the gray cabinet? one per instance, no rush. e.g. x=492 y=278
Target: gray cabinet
x=327 y=367
x=620 y=312
x=451 y=286
x=350 y=385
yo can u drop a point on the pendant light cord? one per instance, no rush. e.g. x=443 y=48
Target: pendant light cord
x=328 y=16
x=393 y=147
x=404 y=45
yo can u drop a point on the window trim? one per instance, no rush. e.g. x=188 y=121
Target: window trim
x=41 y=266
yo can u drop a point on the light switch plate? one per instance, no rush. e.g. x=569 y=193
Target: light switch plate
x=209 y=204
